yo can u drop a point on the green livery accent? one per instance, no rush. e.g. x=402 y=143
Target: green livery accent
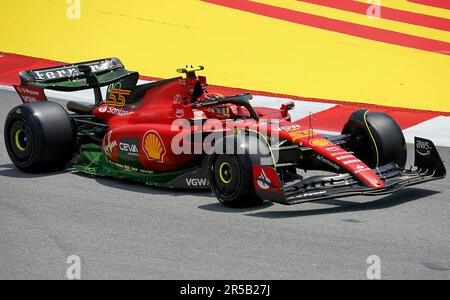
x=93 y=161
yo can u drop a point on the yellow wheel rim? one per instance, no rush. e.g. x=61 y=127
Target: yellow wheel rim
x=18 y=144
x=222 y=172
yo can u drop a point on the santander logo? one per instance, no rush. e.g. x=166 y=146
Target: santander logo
x=114 y=110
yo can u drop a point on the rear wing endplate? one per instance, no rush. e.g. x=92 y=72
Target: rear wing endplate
x=29 y=94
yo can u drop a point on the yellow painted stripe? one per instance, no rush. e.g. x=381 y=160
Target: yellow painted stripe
x=238 y=49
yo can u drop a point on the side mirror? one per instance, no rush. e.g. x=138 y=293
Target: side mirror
x=285 y=108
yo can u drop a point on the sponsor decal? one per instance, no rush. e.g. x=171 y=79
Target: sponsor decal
x=179 y=113
x=117 y=97
x=290 y=127
x=114 y=110
x=30 y=94
x=320 y=142
x=311 y=194
x=338 y=153
x=199 y=114
x=328 y=162
x=299 y=134
x=115 y=85
x=177 y=99
x=71 y=71
x=263 y=181
x=129 y=148
x=118 y=111
x=130 y=168
x=344 y=157
x=197 y=182
x=206 y=103
x=266 y=178
x=362 y=170
x=63 y=73
x=423 y=147
x=333 y=149
x=347 y=162
x=153 y=146
x=108 y=145
x=129 y=151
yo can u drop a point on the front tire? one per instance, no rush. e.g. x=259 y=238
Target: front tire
x=39 y=137
x=231 y=180
x=376 y=138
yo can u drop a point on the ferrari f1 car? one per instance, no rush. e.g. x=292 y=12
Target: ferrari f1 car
x=156 y=132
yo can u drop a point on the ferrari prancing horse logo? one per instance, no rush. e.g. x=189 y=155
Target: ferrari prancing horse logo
x=153 y=146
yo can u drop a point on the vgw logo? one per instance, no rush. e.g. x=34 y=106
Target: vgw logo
x=196 y=181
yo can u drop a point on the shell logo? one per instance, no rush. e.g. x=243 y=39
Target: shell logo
x=320 y=142
x=153 y=146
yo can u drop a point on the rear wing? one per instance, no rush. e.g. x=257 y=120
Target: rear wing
x=70 y=78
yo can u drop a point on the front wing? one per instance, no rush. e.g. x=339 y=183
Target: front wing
x=428 y=167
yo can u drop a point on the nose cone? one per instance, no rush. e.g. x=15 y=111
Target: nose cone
x=371 y=179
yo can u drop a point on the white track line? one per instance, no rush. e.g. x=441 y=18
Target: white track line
x=436 y=129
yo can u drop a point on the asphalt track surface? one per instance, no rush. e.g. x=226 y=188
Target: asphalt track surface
x=124 y=230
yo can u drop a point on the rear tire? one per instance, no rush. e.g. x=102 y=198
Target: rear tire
x=39 y=137
x=231 y=179
x=376 y=138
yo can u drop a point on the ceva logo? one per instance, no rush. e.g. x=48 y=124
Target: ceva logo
x=128 y=147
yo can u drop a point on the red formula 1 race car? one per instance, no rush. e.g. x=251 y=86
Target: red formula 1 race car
x=174 y=133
